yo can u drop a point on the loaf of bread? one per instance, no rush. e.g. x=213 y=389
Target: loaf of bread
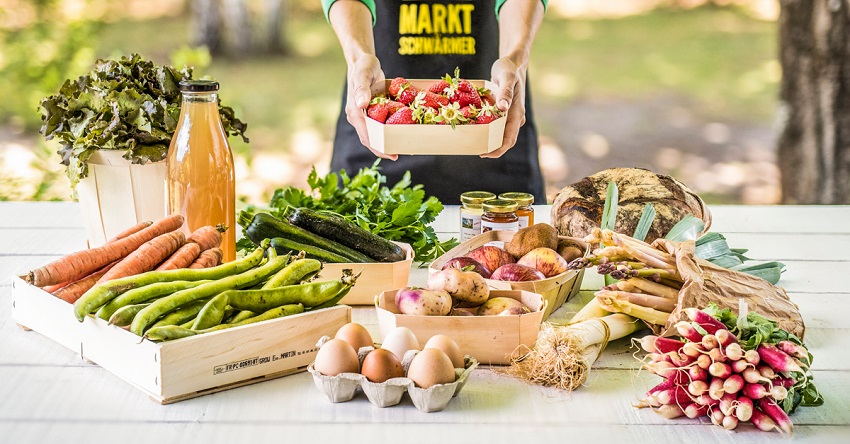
x=578 y=207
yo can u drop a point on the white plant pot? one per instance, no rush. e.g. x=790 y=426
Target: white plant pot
x=118 y=194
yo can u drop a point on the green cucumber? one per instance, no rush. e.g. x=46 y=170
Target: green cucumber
x=349 y=234
x=283 y=245
x=265 y=226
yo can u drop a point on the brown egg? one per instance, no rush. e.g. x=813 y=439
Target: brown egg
x=355 y=334
x=448 y=346
x=431 y=367
x=335 y=357
x=381 y=365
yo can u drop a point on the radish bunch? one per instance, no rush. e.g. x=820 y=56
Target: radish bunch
x=710 y=373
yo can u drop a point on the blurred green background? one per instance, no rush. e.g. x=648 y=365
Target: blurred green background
x=683 y=87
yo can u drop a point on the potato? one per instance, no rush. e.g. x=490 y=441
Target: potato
x=529 y=238
x=423 y=302
x=463 y=286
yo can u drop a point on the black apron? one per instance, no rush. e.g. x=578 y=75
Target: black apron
x=398 y=24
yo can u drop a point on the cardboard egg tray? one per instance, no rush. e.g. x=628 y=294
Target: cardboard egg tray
x=343 y=387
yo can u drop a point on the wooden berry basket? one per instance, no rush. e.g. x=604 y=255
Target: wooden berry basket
x=186 y=368
x=470 y=139
x=555 y=290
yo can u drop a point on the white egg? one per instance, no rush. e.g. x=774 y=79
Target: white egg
x=399 y=341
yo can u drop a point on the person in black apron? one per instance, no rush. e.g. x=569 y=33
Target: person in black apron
x=387 y=47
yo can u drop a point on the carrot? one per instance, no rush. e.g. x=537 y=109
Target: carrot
x=208 y=236
x=77 y=265
x=208 y=258
x=147 y=256
x=132 y=230
x=73 y=291
x=182 y=258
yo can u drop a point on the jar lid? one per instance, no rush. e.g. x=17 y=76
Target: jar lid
x=519 y=198
x=198 y=85
x=476 y=197
x=499 y=206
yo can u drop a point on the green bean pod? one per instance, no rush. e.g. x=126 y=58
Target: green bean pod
x=145 y=294
x=297 y=271
x=101 y=294
x=181 y=315
x=309 y=295
x=147 y=316
x=241 y=316
x=124 y=315
x=171 y=332
x=212 y=314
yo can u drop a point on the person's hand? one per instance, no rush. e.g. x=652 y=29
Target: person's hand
x=361 y=76
x=509 y=79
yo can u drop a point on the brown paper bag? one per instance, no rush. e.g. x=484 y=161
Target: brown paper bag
x=705 y=282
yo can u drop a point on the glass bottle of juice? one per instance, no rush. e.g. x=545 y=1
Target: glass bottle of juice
x=201 y=176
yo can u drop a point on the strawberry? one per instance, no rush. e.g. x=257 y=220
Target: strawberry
x=466 y=86
x=440 y=86
x=470 y=112
x=380 y=108
x=430 y=100
x=450 y=115
x=407 y=94
x=396 y=86
x=464 y=98
x=404 y=116
x=488 y=114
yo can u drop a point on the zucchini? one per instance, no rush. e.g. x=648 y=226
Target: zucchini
x=349 y=234
x=283 y=245
x=265 y=226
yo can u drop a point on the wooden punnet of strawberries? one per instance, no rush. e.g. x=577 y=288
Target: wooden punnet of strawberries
x=448 y=101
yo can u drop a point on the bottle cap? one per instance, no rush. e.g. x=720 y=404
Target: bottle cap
x=519 y=198
x=198 y=85
x=499 y=206
x=476 y=197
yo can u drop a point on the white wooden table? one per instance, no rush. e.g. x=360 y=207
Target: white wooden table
x=49 y=394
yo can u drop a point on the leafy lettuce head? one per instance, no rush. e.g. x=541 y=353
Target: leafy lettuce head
x=129 y=104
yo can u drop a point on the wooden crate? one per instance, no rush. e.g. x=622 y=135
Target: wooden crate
x=434 y=139
x=375 y=278
x=556 y=290
x=185 y=368
x=489 y=339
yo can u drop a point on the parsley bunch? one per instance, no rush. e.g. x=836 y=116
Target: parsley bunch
x=398 y=213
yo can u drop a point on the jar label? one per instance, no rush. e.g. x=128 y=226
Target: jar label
x=523 y=221
x=503 y=226
x=470 y=226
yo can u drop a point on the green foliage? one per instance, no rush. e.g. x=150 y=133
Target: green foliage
x=398 y=213
x=129 y=104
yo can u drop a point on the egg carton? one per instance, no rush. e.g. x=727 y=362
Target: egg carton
x=343 y=387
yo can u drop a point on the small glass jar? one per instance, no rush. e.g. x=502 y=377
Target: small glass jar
x=499 y=214
x=524 y=211
x=471 y=212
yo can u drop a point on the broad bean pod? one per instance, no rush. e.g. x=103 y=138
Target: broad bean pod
x=171 y=332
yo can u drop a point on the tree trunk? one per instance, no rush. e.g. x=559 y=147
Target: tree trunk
x=206 y=29
x=814 y=135
x=237 y=26
x=275 y=21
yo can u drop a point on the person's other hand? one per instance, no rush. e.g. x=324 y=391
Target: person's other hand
x=510 y=99
x=361 y=76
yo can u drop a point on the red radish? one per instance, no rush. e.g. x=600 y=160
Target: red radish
x=755 y=391
x=784 y=382
x=770 y=408
x=778 y=393
x=744 y=409
x=727 y=404
x=716 y=355
x=752 y=357
x=729 y=422
x=792 y=349
x=677 y=395
x=725 y=337
x=687 y=331
x=720 y=370
x=694 y=410
x=663 y=385
x=663 y=368
x=752 y=376
x=680 y=360
x=710 y=342
x=697 y=388
x=717 y=417
x=763 y=422
x=704 y=362
x=708 y=322
x=706 y=400
x=777 y=359
x=715 y=389
x=658 y=357
x=740 y=366
x=670 y=411
x=697 y=373
x=693 y=349
x=766 y=371
x=680 y=377
x=734 y=351
x=733 y=384
x=649 y=401
x=656 y=344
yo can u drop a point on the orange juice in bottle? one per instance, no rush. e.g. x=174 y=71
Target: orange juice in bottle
x=201 y=177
